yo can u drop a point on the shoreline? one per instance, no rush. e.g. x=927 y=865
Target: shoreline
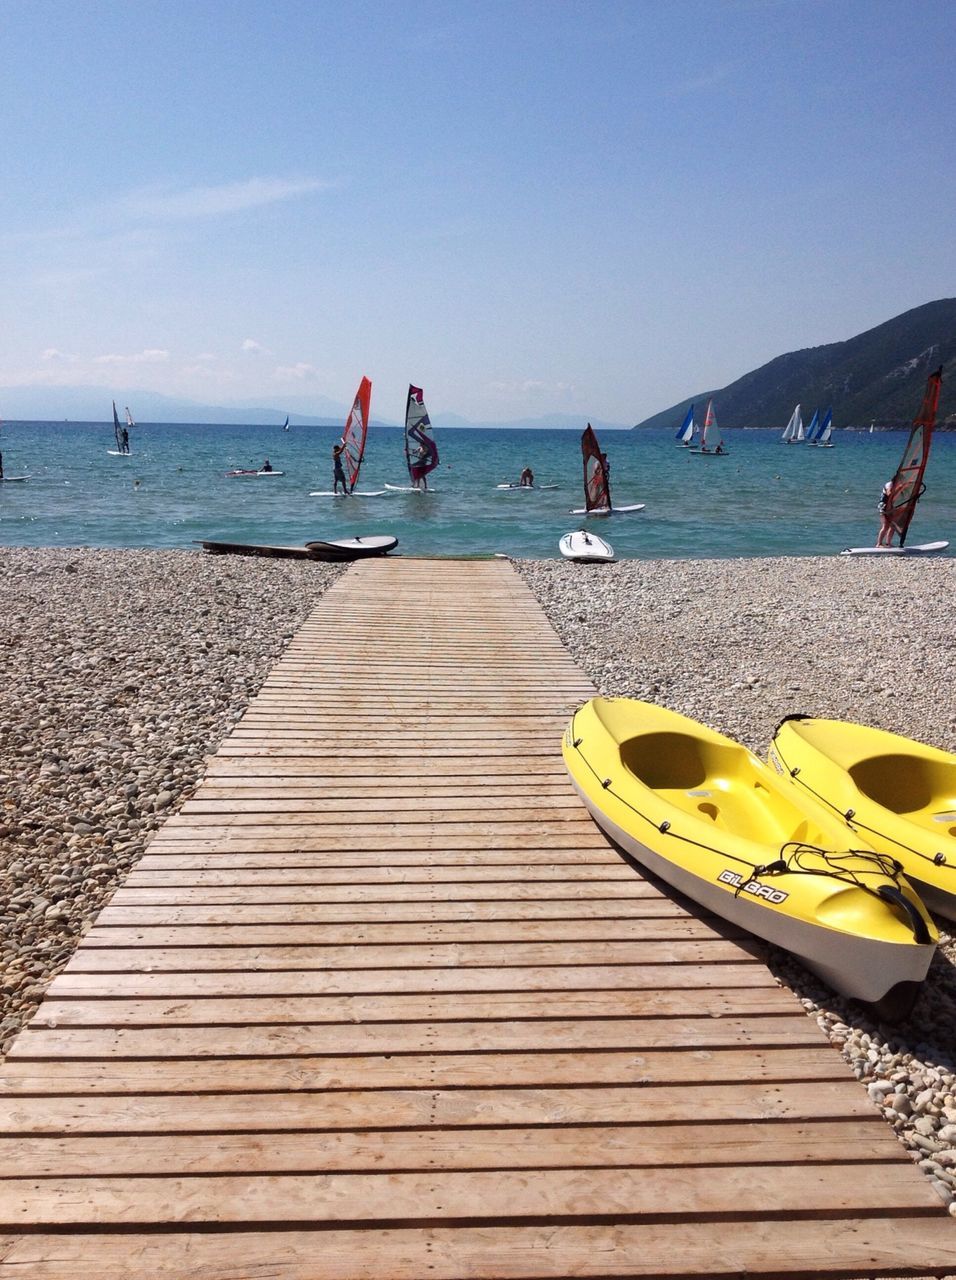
x=125 y=668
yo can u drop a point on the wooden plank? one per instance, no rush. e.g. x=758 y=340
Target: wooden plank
x=694 y=1067
x=765 y=1247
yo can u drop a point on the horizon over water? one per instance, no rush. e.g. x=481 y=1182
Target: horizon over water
x=762 y=499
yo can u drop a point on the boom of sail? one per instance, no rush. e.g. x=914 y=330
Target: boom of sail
x=597 y=488
x=908 y=482
x=421 y=452
x=356 y=429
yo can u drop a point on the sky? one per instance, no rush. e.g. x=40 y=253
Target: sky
x=527 y=208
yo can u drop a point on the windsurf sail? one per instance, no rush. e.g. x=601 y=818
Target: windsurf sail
x=421 y=452
x=685 y=432
x=710 y=435
x=285 y=425
x=129 y=418
x=597 y=489
x=908 y=482
x=813 y=428
x=793 y=431
x=117 y=429
x=826 y=430
x=356 y=429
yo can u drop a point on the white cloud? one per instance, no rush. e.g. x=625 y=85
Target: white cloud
x=152 y=355
x=250 y=344
x=300 y=371
x=166 y=205
x=53 y=353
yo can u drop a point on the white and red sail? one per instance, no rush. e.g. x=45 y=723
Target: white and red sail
x=908 y=481
x=597 y=488
x=356 y=429
x=421 y=452
x=710 y=437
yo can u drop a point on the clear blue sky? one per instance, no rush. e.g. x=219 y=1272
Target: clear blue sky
x=525 y=208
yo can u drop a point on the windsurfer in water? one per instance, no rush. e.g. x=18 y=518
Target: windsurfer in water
x=338 y=474
x=422 y=456
x=887 y=525
x=526 y=479
x=266 y=466
x=124 y=441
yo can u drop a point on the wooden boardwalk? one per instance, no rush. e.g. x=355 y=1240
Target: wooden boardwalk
x=382 y=1001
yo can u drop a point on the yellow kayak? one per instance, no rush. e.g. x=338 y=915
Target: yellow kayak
x=898 y=794
x=707 y=816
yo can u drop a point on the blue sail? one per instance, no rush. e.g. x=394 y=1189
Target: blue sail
x=686 y=431
x=813 y=430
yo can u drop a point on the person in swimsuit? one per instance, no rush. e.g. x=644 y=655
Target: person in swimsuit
x=526 y=479
x=124 y=441
x=338 y=474
x=887 y=526
x=267 y=465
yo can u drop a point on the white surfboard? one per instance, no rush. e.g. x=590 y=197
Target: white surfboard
x=356 y=493
x=118 y=453
x=607 y=511
x=240 y=474
x=408 y=488
x=13 y=479
x=585 y=546
x=351 y=548
x=527 y=488
x=920 y=549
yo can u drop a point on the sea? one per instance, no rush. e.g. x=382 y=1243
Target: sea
x=763 y=498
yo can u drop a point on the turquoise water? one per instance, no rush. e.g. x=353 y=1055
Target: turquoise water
x=764 y=498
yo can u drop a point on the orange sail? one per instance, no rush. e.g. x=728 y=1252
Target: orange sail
x=356 y=429
x=908 y=481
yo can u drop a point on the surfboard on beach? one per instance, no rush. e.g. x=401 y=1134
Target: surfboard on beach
x=921 y=549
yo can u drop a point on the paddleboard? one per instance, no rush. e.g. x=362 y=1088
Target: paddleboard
x=584 y=546
x=528 y=488
x=921 y=549
x=12 y=479
x=118 y=453
x=356 y=493
x=408 y=488
x=351 y=548
x=607 y=511
x=232 y=475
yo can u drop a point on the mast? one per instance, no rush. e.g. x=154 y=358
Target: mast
x=597 y=489
x=356 y=429
x=908 y=481
x=421 y=452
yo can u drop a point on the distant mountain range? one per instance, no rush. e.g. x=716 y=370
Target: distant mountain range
x=94 y=404
x=878 y=376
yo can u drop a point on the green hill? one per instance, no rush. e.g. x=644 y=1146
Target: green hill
x=877 y=376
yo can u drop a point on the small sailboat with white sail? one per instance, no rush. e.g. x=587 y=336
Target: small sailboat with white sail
x=121 y=436
x=597 y=485
x=129 y=419
x=793 y=432
x=685 y=432
x=711 y=441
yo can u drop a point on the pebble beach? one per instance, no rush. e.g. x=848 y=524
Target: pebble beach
x=124 y=669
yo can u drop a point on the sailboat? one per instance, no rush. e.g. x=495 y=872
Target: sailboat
x=685 y=432
x=285 y=425
x=820 y=434
x=793 y=431
x=353 y=446
x=421 y=451
x=812 y=428
x=120 y=436
x=129 y=419
x=907 y=485
x=597 y=487
x=711 y=442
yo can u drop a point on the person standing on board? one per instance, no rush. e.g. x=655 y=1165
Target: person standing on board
x=887 y=526
x=124 y=441
x=338 y=474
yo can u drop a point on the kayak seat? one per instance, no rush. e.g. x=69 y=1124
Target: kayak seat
x=907 y=784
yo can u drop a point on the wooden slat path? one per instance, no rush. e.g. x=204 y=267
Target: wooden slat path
x=382 y=1001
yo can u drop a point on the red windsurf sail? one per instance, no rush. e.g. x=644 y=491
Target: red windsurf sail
x=597 y=489
x=353 y=437
x=421 y=452
x=908 y=481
